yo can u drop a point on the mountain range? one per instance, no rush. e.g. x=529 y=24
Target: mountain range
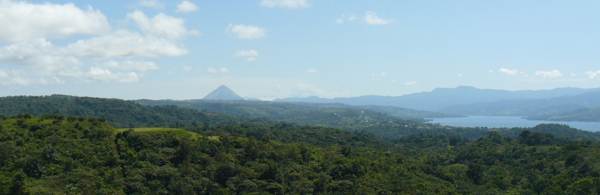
x=445 y=97
x=555 y=104
x=528 y=107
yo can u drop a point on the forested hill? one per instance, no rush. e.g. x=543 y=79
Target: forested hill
x=54 y=155
x=119 y=113
x=301 y=113
x=584 y=114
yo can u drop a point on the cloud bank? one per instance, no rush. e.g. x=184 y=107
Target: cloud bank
x=29 y=29
x=554 y=74
x=246 y=32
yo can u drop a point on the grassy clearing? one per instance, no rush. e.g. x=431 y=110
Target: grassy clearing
x=180 y=132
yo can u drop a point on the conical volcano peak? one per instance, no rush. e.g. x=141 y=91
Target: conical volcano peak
x=223 y=93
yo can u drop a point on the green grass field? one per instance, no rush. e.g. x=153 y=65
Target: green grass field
x=180 y=132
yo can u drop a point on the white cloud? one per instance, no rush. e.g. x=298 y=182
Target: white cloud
x=28 y=52
x=186 y=6
x=372 y=19
x=22 y=21
x=3 y=74
x=508 y=72
x=383 y=74
x=100 y=74
x=460 y=75
x=126 y=44
x=410 y=83
x=246 y=53
x=187 y=68
x=345 y=17
x=41 y=54
x=18 y=81
x=49 y=63
x=549 y=74
x=141 y=66
x=170 y=72
x=161 y=25
x=215 y=70
x=246 y=32
x=573 y=74
x=593 y=75
x=312 y=70
x=150 y=3
x=121 y=43
x=45 y=59
x=284 y=3
x=243 y=53
x=212 y=70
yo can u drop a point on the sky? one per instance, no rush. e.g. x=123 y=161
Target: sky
x=269 y=49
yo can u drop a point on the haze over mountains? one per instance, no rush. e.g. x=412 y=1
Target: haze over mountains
x=445 y=97
x=555 y=104
x=561 y=104
x=528 y=107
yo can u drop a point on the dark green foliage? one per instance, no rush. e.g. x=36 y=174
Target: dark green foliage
x=18 y=185
x=285 y=132
x=475 y=173
x=298 y=112
x=119 y=113
x=557 y=130
x=86 y=156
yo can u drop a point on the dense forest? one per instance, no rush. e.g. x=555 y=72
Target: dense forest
x=292 y=111
x=75 y=155
x=118 y=113
x=122 y=113
x=68 y=145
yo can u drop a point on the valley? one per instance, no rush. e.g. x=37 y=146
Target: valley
x=299 y=97
x=70 y=144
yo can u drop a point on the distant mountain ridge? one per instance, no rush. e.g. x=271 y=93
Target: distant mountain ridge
x=223 y=93
x=528 y=107
x=444 y=97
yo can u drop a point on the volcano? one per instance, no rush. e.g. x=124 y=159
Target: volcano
x=223 y=93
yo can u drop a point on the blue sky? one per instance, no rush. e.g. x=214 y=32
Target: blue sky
x=294 y=48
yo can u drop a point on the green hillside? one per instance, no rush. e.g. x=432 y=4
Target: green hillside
x=301 y=113
x=119 y=113
x=180 y=132
x=58 y=155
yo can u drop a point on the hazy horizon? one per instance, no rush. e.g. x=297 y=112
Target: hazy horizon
x=267 y=49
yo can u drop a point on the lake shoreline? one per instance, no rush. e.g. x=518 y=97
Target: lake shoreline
x=509 y=122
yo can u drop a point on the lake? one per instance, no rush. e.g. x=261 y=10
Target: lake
x=508 y=121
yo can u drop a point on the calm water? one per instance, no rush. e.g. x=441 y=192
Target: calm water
x=508 y=121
